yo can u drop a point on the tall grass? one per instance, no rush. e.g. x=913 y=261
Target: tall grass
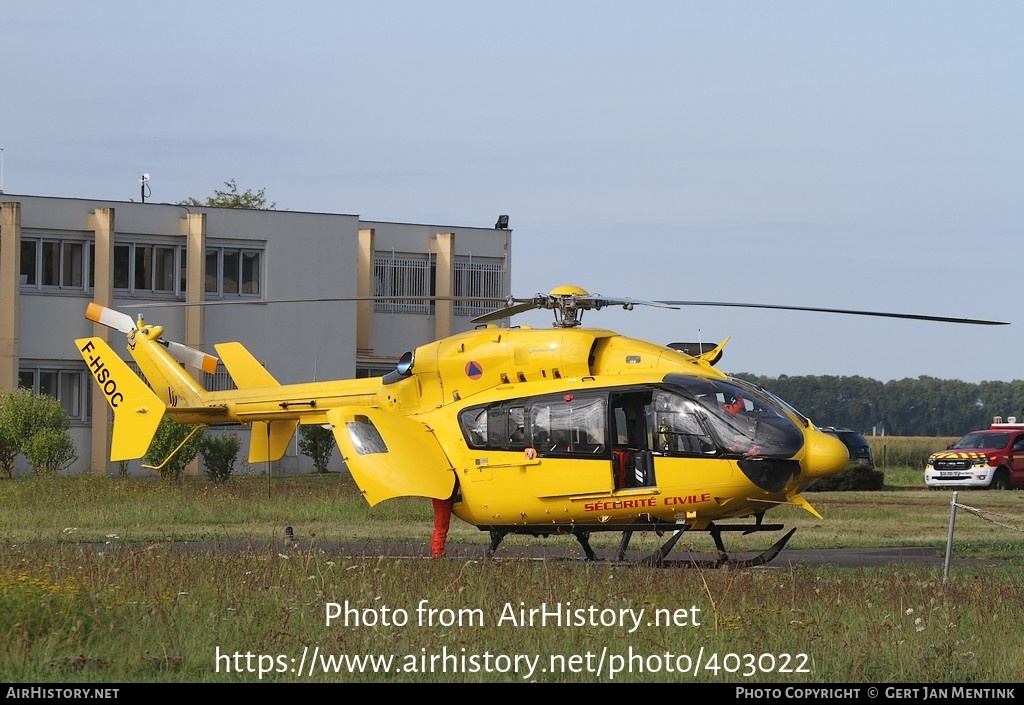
x=130 y=614
x=907 y=451
x=330 y=508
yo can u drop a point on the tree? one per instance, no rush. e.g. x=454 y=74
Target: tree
x=37 y=426
x=318 y=443
x=170 y=451
x=231 y=197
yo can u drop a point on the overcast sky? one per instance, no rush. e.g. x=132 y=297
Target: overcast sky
x=854 y=155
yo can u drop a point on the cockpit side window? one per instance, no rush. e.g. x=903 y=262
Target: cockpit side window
x=740 y=419
x=474 y=426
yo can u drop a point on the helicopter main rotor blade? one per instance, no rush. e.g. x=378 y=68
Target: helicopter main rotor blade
x=588 y=301
x=326 y=299
x=597 y=301
x=504 y=312
x=883 y=314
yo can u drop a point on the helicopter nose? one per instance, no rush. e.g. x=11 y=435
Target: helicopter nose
x=825 y=455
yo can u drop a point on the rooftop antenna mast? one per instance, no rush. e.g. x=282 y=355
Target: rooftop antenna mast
x=144 y=186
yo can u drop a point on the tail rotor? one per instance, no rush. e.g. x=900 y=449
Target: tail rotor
x=124 y=323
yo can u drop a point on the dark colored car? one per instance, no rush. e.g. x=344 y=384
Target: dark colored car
x=856 y=444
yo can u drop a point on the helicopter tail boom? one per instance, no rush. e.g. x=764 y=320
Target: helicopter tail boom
x=168 y=378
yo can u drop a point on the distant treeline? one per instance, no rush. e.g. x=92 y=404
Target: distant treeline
x=925 y=406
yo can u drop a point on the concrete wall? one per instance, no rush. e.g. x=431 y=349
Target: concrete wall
x=405 y=331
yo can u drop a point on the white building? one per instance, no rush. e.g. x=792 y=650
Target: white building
x=58 y=254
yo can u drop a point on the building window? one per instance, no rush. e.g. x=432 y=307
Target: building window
x=250 y=272
x=219 y=381
x=233 y=271
x=69 y=385
x=479 y=278
x=139 y=267
x=395 y=276
x=369 y=371
x=153 y=268
x=122 y=265
x=53 y=263
x=29 y=276
x=70 y=264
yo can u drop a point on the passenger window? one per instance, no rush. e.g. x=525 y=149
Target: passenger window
x=570 y=426
x=517 y=428
x=474 y=427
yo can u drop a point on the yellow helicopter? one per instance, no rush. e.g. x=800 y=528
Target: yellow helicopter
x=557 y=431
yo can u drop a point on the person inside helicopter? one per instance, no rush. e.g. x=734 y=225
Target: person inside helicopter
x=727 y=418
x=742 y=432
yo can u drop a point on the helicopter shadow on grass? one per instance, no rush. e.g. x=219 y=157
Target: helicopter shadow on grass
x=813 y=558
x=854 y=557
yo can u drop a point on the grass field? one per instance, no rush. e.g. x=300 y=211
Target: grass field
x=93 y=591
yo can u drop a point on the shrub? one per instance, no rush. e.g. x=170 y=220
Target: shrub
x=318 y=443
x=23 y=416
x=170 y=452
x=851 y=478
x=50 y=451
x=219 y=453
x=10 y=445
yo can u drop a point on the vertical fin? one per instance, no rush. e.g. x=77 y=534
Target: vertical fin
x=245 y=370
x=268 y=440
x=137 y=410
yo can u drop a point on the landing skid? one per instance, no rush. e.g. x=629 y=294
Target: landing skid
x=723 y=560
x=659 y=558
